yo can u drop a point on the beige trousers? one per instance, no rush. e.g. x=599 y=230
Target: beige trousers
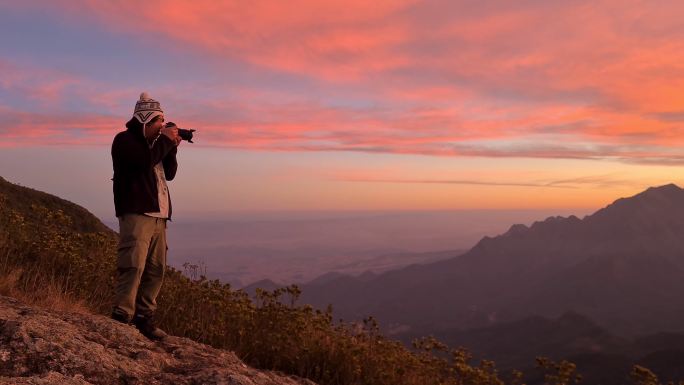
x=141 y=259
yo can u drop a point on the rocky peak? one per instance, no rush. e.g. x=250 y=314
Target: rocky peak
x=667 y=189
x=650 y=204
x=40 y=346
x=652 y=211
x=516 y=229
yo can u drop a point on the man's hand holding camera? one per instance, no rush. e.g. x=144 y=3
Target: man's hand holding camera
x=171 y=131
x=177 y=134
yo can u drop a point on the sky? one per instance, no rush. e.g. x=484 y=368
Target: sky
x=350 y=105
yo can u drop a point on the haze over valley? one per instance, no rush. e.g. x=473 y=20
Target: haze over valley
x=296 y=247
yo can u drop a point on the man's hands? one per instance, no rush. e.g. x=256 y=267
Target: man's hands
x=172 y=133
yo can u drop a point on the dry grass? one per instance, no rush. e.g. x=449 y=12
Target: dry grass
x=51 y=295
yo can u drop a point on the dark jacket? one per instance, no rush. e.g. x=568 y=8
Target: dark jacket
x=135 y=186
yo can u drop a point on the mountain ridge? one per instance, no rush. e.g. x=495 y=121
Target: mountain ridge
x=82 y=220
x=500 y=277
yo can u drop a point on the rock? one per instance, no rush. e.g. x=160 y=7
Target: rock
x=39 y=346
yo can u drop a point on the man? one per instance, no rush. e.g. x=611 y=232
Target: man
x=144 y=158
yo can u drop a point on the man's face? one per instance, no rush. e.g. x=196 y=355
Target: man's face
x=152 y=129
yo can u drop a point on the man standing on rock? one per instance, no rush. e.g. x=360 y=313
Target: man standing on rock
x=144 y=158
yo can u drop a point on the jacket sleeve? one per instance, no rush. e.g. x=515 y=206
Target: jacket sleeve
x=170 y=164
x=132 y=156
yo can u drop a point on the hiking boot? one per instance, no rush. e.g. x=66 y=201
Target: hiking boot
x=121 y=316
x=148 y=327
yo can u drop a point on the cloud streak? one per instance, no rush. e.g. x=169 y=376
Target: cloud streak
x=597 y=181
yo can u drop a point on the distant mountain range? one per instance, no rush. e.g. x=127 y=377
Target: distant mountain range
x=622 y=266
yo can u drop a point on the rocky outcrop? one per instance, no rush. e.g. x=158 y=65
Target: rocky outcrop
x=40 y=346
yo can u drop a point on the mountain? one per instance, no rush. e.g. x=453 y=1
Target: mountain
x=49 y=347
x=622 y=266
x=516 y=344
x=265 y=284
x=268 y=285
x=601 y=356
x=58 y=251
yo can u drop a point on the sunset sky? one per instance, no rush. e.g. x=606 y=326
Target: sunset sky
x=351 y=105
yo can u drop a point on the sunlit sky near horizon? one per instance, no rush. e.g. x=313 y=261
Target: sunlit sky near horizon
x=351 y=105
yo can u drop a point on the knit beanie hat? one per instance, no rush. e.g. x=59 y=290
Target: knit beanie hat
x=146 y=109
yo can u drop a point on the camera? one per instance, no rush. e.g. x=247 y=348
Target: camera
x=185 y=134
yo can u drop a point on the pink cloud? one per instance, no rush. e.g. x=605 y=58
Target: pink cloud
x=21 y=128
x=443 y=78
x=36 y=84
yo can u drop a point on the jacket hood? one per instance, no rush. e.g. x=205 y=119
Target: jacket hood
x=135 y=127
